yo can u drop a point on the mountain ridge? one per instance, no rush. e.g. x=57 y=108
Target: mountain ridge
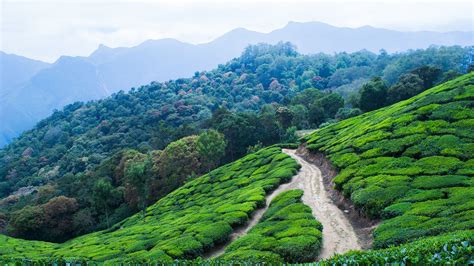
x=122 y=68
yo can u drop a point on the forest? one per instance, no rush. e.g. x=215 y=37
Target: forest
x=91 y=165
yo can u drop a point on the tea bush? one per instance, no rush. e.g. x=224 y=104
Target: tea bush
x=287 y=232
x=411 y=163
x=450 y=249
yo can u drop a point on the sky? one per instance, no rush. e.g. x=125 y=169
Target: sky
x=45 y=30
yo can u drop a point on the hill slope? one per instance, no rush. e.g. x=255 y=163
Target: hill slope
x=410 y=163
x=184 y=224
x=122 y=68
x=148 y=117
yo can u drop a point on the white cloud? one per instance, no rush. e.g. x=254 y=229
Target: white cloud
x=48 y=29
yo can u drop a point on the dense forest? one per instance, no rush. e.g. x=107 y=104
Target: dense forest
x=85 y=167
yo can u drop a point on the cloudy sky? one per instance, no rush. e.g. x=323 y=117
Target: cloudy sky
x=47 y=29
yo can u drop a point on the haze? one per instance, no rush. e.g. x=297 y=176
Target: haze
x=45 y=30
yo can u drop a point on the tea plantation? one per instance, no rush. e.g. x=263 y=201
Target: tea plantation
x=184 y=224
x=287 y=232
x=411 y=164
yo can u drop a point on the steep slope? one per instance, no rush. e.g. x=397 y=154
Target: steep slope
x=410 y=164
x=68 y=80
x=15 y=71
x=184 y=224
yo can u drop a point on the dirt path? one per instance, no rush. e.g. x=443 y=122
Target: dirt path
x=338 y=234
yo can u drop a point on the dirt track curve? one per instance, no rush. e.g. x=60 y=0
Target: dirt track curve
x=338 y=234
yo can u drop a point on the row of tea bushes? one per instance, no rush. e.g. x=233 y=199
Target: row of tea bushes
x=287 y=232
x=450 y=249
x=411 y=163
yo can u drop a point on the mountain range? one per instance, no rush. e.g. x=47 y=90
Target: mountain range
x=30 y=90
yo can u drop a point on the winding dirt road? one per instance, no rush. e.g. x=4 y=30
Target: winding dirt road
x=338 y=234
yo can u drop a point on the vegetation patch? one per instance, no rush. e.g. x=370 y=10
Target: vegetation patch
x=287 y=232
x=409 y=163
x=183 y=224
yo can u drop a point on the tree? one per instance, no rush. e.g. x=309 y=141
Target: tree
x=307 y=97
x=104 y=195
x=137 y=180
x=58 y=213
x=408 y=86
x=290 y=135
x=284 y=116
x=27 y=222
x=316 y=114
x=211 y=146
x=373 y=95
x=300 y=116
x=428 y=74
x=330 y=103
x=470 y=68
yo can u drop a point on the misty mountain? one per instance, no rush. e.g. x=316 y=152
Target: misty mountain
x=15 y=70
x=40 y=88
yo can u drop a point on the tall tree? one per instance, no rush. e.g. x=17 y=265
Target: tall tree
x=428 y=74
x=408 y=86
x=135 y=174
x=211 y=146
x=104 y=196
x=373 y=95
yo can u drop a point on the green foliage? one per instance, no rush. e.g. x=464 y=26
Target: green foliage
x=51 y=221
x=407 y=86
x=373 y=95
x=287 y=232
x=183 y=224
x=409 y=163
x=211 y=145
x=264 y=89
x=451 y=249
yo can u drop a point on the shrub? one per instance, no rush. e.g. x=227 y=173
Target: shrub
x=287 y=231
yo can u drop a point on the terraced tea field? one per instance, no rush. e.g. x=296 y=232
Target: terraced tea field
x=411 y=164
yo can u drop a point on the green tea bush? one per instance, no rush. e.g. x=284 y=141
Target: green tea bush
x=184 y=224
x=450 y=249
x=287 y=232
x=411 y=163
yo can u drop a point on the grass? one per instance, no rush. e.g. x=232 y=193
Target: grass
x=410 y=163
x=287 y=232
x=184 y=224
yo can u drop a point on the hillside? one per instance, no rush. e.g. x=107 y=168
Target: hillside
x=410 y=164
x=256 y=100
x=184 y=224
x=109 y=70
